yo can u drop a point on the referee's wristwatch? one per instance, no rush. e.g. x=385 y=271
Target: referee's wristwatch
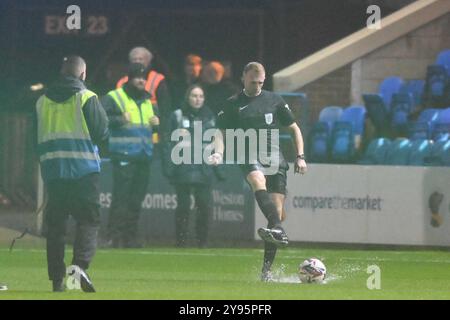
x=301 y=156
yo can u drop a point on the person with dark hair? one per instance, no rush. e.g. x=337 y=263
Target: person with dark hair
x=132 y=123
x=191 y=75
x=70 y=124
x=192 y=68
x=191 y=178
x=217 y=88
x=262 y=111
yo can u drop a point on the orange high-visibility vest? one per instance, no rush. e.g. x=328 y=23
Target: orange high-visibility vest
x=153 y=80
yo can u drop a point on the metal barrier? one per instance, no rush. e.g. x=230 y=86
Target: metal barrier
x=18 y=162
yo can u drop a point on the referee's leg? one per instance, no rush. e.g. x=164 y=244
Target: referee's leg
x=257 y=181
x=276 y=186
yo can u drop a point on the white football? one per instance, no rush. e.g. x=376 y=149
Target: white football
x=312 y=271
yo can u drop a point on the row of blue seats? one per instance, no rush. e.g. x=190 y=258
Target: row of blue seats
x=396 y=99
x=337 y=134
x=431 y=124
x=403 y=151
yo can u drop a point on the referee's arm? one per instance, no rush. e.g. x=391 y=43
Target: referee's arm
x=298 y=138
x=296 y=133
x=217 y=157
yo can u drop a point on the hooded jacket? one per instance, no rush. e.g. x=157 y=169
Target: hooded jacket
x=94 y=114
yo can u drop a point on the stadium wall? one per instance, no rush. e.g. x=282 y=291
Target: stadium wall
x=331 y=90
x=355 y=204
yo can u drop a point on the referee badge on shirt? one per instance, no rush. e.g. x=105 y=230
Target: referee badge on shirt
x=269 y=118
x=186 y=123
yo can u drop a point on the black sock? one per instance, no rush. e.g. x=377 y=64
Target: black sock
x=268 y=208
x=270 y=250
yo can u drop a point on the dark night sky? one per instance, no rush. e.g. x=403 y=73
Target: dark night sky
x=278 y=33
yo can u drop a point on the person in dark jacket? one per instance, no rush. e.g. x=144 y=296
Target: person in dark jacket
x=191 y=75
x=192 y=178
x=217 y=88
x=132 y=123
x=70 y=124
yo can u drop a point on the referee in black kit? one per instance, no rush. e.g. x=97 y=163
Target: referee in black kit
x=254 y=108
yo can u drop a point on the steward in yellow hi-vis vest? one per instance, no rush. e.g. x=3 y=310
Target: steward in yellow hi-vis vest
x=70 y=124
x=132 y=121
x=156 y=85
x=133 y=139
x=65 y=147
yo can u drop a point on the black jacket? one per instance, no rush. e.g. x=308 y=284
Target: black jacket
x=217 y=94
x=94 y=114
x=189 y=173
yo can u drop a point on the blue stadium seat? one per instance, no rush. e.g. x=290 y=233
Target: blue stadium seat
x=342 y=142
x=401 y=106
x=420 y=150
x=388 y=87
x=398 y=152
x=415 y=88
x=444 y=116
x=441 y=131
x=429 y=115
x=330 y=114
x=419 y=130
x=441 y=128
x=376 y=151
x=319 y=140
x=378 y=105
x=443 y=59
x=424 y=126
x=356 y=115
x=440 y=154
x=436 y=86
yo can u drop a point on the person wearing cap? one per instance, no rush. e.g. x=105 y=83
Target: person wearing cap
x=155 y=85
x=132 y=121
x=71 y=123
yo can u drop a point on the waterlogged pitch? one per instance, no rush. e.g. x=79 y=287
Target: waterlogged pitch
x=226 y=274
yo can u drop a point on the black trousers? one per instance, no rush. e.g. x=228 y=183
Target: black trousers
x=203 y=202
x=80 y=199
x=130 y=187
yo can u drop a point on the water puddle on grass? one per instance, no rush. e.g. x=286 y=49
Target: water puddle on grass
x=281 y=276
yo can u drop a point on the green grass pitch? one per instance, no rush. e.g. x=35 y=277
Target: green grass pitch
x=219 y=274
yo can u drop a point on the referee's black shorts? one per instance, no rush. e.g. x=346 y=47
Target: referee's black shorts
x=275 y=183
